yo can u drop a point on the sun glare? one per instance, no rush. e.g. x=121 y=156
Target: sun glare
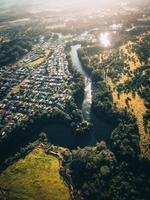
x=104 y=39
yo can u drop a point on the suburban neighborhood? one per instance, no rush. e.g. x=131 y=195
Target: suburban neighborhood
x=24 y=90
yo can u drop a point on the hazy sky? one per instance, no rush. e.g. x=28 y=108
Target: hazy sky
x=109 y=2
x=67 y=3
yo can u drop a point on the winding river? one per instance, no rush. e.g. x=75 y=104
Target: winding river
x=86 y=105
x=60 y=134
x=101 y=128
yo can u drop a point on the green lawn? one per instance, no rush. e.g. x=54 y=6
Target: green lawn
x=35 y=178
x=37 y=62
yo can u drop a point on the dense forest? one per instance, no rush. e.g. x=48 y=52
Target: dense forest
x=100 y=173
x=111 y=172
x=19 y=42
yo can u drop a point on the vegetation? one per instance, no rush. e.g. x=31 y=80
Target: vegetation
x=139 y=84
x=35 y=177
x=78 y=86
x=14 y=49
x=125 y=141
x=120 y=81
x=113 y=171
x=141 y=47
x=84 y=60
x=20 y=41
x=106 y=177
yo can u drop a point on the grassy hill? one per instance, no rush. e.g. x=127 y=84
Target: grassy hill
x=35 y=177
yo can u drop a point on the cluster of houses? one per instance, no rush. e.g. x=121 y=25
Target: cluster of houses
x=11 y=76
x=39 y=51
x=41 y=88
x=38 y=54
x=4 y=37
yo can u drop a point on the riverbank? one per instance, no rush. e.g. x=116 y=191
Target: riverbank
x=68 y=130
x=87 y=101
x=102 y=127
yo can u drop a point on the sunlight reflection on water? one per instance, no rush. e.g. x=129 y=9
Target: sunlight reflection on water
x=105 y=40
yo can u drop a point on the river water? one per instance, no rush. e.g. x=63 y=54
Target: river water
x=101 y=128
x=60 y=134
x=86 y=105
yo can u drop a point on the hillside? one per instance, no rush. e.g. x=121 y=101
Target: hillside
x=34 y=177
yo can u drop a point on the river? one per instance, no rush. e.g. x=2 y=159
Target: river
x=86 y=105
x=101 y=128
x=61 y=134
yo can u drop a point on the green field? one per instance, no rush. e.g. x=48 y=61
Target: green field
x=35 y=178
x=37 y=62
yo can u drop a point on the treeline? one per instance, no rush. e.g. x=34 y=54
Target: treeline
x=28 y=132
x=13 y=50
x=100 y=173
x=20 y=41
x=84 y=59
x=102 y=102
x=21 y=153
x=139 y=84
x=29 y=128
x=80 y=126
x=72 y=118
x=24 y=150
x=141 y=47
x=114 y=65
x=77 y=83
x=85 y=53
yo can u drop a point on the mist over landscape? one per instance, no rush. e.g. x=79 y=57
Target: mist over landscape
x=51 y=4
x=74 y=100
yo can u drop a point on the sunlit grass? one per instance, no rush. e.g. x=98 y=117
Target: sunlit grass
x=36 y=177
x=56 y=26
x=136 y=104
x=37 y=62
